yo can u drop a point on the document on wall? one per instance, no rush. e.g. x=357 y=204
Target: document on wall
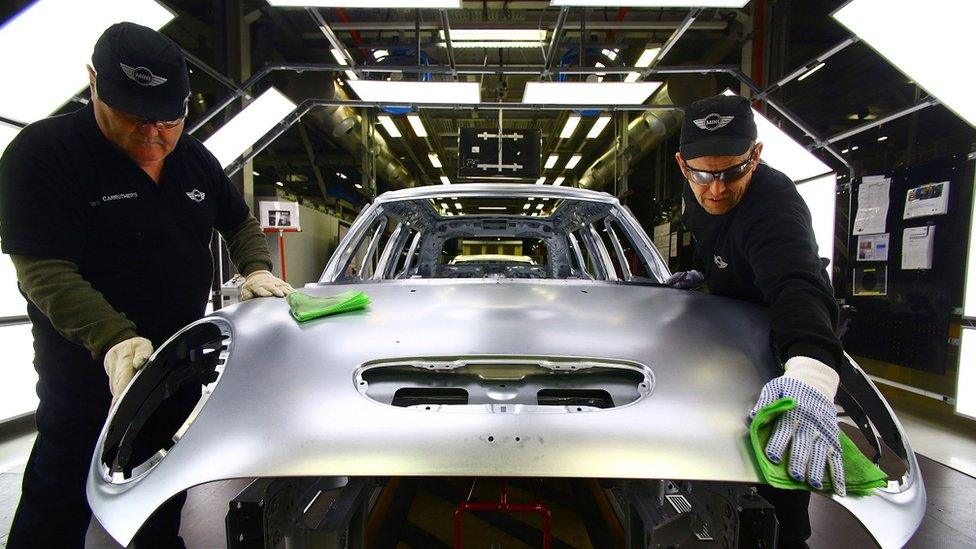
x=872 y=205
x=929 y=199
x=872 y=247
x=917 y=246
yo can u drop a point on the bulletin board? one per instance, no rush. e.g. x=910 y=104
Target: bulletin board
x=908 y=322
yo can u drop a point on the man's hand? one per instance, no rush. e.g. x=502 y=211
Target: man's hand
x=812 y=425
x=264 y=284
x=123 y=360
x=685 y=280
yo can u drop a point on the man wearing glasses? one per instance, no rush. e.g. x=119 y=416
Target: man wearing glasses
x=107 y=214
x=754 y=241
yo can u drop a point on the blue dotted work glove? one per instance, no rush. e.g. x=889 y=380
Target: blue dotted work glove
x=811 y=426
x=685 y=280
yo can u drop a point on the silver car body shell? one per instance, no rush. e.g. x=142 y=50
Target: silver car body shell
x=287 y=402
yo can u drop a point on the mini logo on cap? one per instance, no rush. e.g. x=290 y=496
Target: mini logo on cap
x=142 y=75
x=713 y=121
x=196 y=195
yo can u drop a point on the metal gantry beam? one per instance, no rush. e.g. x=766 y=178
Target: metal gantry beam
x=387 y=26
x=331 y=36
x=214 y=73
x=446 y=24
x=557 y=35
x=803 y=69
x=927 y=102
x=678 y=33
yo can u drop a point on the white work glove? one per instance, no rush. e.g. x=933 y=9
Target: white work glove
x=122 y=362
x=264 y=284
x=812 y=425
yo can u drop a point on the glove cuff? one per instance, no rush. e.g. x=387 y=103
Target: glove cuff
x=254 y=273
x=814 y=373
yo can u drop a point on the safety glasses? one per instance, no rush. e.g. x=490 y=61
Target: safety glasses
x=728 y=175
x=145 y=122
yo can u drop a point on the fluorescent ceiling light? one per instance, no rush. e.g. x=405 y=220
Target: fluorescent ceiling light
x=47 y=45
x=558 y=181
x=517 y=35
x=785 y=154
x=645 y=60
x=647 y=57
x=389 y=125
x=855 y=147
x=489 y=44
x=417 y=124
x=966 y=383
x=435 y=160
x=551 y=162
x=539 y=181
x=339 y=57
x=403 y=4
x=492 y=208
x=248 y=126
x=588 y=93
x=882 y=138
x=531 y=198
x=358 y=186
x=924 y=41
x=821 y=198
x=351 y=75
x=653 y=3
x=342 y=175
x=255 y=173
x=383 y=91
x=444 y=205
x=573 y=161
x=598 y=126
x=446 y=181
x=526 y=206
x=570 y=127
x=811 y=71
x=457 y=205
x=279 y=183
x=611 y=54
x=539 y=207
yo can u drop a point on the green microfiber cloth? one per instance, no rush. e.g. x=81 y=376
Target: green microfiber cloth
x=860 y=474
x=305 y=307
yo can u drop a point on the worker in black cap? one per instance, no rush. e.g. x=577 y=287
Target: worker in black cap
x=754 y=241
x=107 y=214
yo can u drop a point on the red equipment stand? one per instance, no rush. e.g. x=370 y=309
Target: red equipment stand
x=503 y=506
x=281 y=245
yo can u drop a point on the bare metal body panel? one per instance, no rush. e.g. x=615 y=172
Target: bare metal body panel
x=287 y=402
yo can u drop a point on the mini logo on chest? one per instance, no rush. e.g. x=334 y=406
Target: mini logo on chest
x=196 y=195
x=720 y=262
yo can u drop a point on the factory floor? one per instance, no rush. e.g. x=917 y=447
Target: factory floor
x=947 y=459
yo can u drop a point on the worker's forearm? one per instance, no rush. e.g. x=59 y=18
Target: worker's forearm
x=248 y=247
x=77 y=311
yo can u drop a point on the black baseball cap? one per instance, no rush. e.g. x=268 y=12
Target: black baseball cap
x=721 y=125
x=141 y=72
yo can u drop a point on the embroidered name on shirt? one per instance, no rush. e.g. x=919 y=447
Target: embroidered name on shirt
x=720 y=262
x=122 y=196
